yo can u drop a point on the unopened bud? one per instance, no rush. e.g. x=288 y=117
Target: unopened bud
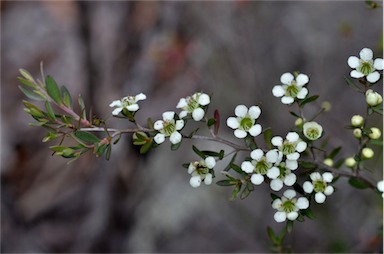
x=373 y=98
x=375 y=134
x=326 y=106
x=328 y=162
x=299 y=121
x=357 y=133
x=367 y=153
x=350 y=162
x=357 y=120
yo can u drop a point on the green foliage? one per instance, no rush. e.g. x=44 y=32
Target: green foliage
x=53 y=90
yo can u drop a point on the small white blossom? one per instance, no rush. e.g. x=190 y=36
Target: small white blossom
x=291 y=87
x=373 y=98
x=262 y=165
x=312 y=130
x=288 y=206
x=193 y=105
x=365 y=66
x=284 y=176
x=245 y=121
x=290 y=147
x=319 y=184
x=200 y=171
x=168 y=127
x=380 y=187
x=129 y=102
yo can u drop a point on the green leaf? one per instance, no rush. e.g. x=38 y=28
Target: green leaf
x=174 y=147
x=268 y=137
x=307 y=165
x=100 y=149
x=357 y=183
x=289 y=226
x=247 y=190
x=50 y=112
x=376 y=142
x=308 y=212
x=198 y=152
x=211 y=122
x=235 y=192
x=108 y=153
x=272 y=236
x=67 y=99
x=82 y=107
x=30 y=94
x=334 y=152
x=145 y=148
x=294 y=114
x=26 y=75
x=237 y=168
x=26 y=82
x=53 y=90
x=221 y=154
x=226 y=182
x=352 y=85
x=250 y=142
x=308 y=100
x=228 y=167
x=150 y=123
x=274 y=196
x=86 y=136
x=185 y=165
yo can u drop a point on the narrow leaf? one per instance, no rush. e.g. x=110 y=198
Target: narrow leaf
x=50 y=112
x=352 y=85
x=334 y=152
x=86 y=136
x=174 y=147
x=82 y=107
x=53 y=90
x=26 y=82
x=225 y=182
x=228 y=167
x=67 y=99
x=268 y=137
x=357 y=183
x=145 y=148
x=30 y=94
x=308 y=100
x=198 y=152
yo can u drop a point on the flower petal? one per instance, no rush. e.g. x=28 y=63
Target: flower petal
x=195 y=181
x=273 y=173
x=308 y=187
x=168 y=115
x=241 y=110
x=373 y=77
x=179 y=124
x=366 y=54
x=247 y=167
x=133 y=107
x=272 y=155
x=116 y=111
x=257 y=154
x=175 y=138
x=353 y=62
x=240 y=133
x=257 y=179
x=289 y=194
x=233 y=123
x=182 y=103
x=158 y=125
x=278 y=91
x=292 y=215
x=183 y=114
x=255 y=130
x=159 y=138
x=329 y=190
x=208 y=179
x=276 y=204
x=293 y=156
x=280 y=216
x=302 y=93
x=292 y=137
x=198 y=114
x=286 y=78
x=140 y=97
x=277 y=141
x=302 y=203
x=301 y=146
x=210 y=162
x=290 y=179
x=378 y=64
x=320 y=197
x=356 y=74
x=287 y=100
x=254 y=112
x=276 y=184
x=116 y=103
x=328 y=177
x=302 y=79
x=204 y=99
x=315 y=176
x=291 y=164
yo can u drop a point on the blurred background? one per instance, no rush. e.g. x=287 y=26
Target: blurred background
x=235 y=50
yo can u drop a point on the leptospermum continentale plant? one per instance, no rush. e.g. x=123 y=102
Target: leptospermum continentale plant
x=278 y=161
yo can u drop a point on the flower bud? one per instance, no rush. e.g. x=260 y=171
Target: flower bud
x=326 y=106
x=373 y=98
x=299 y=121
x=350 y=162
x=367 y=153
x=328 y=162
x=357 y=133
x=375 y=134
x=357 y=120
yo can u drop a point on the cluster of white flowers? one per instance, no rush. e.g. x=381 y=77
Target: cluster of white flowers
x=319 y=184
x=245 y=121
x=200 y=171
x=365 y=66
x=168 y=127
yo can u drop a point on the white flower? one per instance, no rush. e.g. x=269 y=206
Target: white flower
x=312 y=130
x=193 y=105
x=380 y=187
x=262 y=165
x=365 y=65
x=288 y=206
x=290 y=147
x=319 y=184
x=129 y=102
x=373 y=98
x=168 y=127
x=201 y=171
x=245 y=121
x=291 y=88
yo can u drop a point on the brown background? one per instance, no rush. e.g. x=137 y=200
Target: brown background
x=235 y=50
